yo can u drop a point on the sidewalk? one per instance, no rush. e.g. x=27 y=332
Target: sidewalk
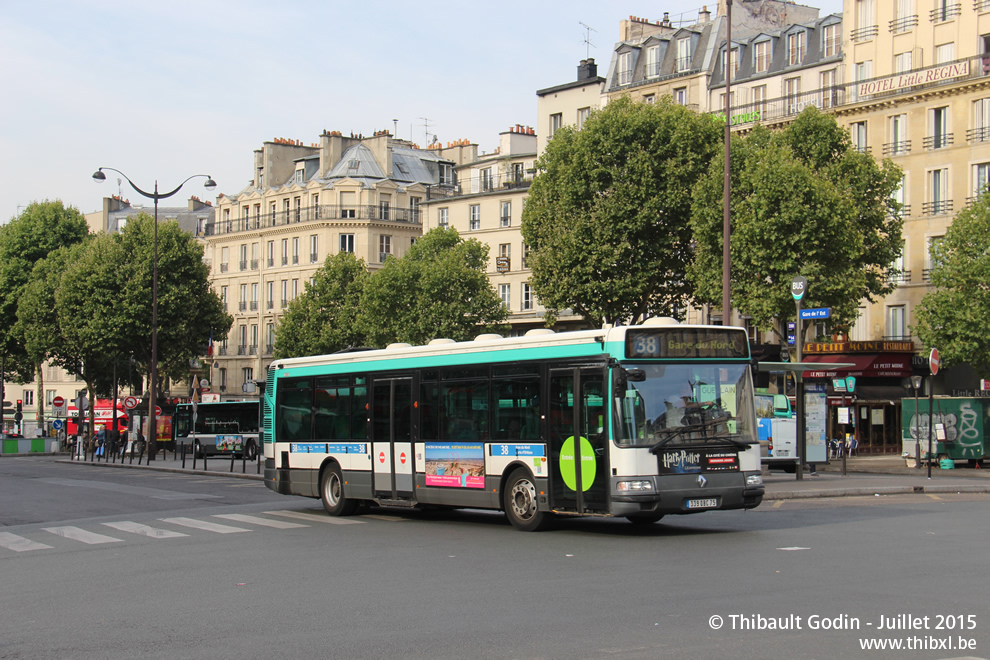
x=865 y=476
x=874 y=475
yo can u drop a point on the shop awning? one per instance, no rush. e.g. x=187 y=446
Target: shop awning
x=869 y=365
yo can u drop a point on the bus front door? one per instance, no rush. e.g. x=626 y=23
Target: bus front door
x=391 y=429
x=578 y=461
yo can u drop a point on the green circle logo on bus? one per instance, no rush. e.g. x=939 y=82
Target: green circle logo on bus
x=568 y=469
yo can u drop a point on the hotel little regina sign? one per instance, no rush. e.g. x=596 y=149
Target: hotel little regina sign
x=900 y=81
x=861 y=347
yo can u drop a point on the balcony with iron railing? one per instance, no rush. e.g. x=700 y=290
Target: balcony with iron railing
x=243 y=265
x=943 y=207
x=481 y=185
x=981 y=5
x=897 y=148
x=224 y=267
x=864 y=33
x=979 y=134
x=242 y=349
x=903 y=24
x=937 y=141
x=253 y=349
x=322 y=212
x=222 y=350
x=269 y=349
x=900 y=277
x=945 y=12
x=242 y=306
x=926 y=275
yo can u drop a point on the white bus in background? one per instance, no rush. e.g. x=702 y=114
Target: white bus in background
x=223 y=427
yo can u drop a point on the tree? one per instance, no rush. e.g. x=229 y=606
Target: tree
x=27 y=239
x=324 y=318
x=438 y=289
x=953 y=316
x=804 y=202
x=607 y=220
x=188 y=308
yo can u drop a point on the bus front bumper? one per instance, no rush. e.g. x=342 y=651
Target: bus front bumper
x=686 y=493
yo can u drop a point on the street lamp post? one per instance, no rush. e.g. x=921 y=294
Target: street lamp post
x=100 y=177
x=726 y=189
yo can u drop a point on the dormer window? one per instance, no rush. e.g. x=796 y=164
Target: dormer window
x=653 y=61
x=795 y=48
x=624 y=71
x=761 y=56
x=299 y=177
x=734 y=61
x=683 y=62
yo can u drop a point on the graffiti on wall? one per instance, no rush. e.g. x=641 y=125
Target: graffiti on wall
x=961 y=427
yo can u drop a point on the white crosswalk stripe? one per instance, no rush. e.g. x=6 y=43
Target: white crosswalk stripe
x=81 y=535
x=19 y=543
x=144 y=530
x=265 y=522
x=205 y=525
x=299 y=515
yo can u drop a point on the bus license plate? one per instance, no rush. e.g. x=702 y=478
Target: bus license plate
x=702 y=504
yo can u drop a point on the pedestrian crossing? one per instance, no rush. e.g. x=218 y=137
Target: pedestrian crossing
x=67 y=536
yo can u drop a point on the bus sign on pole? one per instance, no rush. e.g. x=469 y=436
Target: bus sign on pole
x=818 y=313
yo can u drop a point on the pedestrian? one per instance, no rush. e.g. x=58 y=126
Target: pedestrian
x=123 y=443
x=139 y=445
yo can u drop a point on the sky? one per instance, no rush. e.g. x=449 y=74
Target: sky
x=166 y=90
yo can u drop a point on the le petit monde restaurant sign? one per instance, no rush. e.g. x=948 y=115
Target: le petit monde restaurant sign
x=859 y=347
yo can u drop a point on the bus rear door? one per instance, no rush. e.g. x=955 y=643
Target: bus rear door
x=391 y=424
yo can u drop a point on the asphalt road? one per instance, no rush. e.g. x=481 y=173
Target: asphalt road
x=280 y=579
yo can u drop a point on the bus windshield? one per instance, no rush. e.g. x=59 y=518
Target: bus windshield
x=678 y=404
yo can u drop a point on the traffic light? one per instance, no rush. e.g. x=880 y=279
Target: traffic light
x=18 y=415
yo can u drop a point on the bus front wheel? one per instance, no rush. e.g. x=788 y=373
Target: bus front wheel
x=332 y=493
x=520 y=503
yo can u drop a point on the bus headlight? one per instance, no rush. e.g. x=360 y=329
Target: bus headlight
x=754 y=480
x=631 y=486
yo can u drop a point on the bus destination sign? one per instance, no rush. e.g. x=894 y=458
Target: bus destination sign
x=686 y=343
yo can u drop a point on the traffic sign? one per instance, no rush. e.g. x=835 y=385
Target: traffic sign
x=57 y=425
x=818 y=313
x=799 y=286
x=934 y=361
x=58 y=402
x=130 y=402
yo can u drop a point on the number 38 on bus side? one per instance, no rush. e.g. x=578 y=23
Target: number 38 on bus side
x=635 y=422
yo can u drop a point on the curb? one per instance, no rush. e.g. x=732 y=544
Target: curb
x=884 y=490
x=176 y=470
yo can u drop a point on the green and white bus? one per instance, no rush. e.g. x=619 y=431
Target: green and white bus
x=218 y=427
x=636 y=422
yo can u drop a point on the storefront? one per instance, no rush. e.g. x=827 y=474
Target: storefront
x=872 y=412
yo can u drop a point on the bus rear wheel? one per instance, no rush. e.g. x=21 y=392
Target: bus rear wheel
x=332 y=493
x=519 y=501
x=250 y=450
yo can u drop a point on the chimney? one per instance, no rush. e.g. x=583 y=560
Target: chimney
x=587 y=69
x=704 y=15
x=666 y=19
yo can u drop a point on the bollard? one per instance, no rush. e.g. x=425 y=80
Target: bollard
x=232 y=457
x=204 y=461
x=243 y=462
x=183 y=456
x=260 y=458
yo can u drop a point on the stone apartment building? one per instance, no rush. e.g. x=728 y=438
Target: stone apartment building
x=355 y=194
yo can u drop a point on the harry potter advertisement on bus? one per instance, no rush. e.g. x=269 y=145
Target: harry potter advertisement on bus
x=455 y=464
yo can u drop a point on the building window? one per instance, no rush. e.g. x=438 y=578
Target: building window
x=938 y=134
x=286 y=210
x=859 y=137
x=443 y=217
x=271 y=254
x=733 y=62
x=864 y=71
x=899 y=143
x=582 y=116
x=556 y=122
x=348 y=203
x=683 y=61
x=945 y=53
x=244 y=261
x=242 y=304
x=681 y=95
x=902 y=62
x=247 y=373
x=981 y=121
x=831 y=40
x=904 y=17
x=285 y=293
x=295 y=250
x=505 y=250
x=224 y=259
x=505 y=215
x=827 y=80
x=938 y=192
x=896 y=329
x=487 y=183
x=474 y=216
x=270 y=294
x=446 y=174
x=624 y=70
x=295 y=289
x=314 y=252
x=795 y=48
x=384 y=206
x=653 y=61
x=792 y=95
x=28 y=398
x=269 y=339
x=347 y=243
x=274 y=217
x=761 y=56
x=527 y=296
x=981 y=177
x=384 y=247
x=254 y=256
x=505 y=293
x=254 y=297
x=285 y=251
x=525 y=255
x=760 y=99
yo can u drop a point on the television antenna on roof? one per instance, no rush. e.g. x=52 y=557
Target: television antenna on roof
x=587 y=39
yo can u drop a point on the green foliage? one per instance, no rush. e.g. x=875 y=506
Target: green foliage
x=188 y=308
x=953 y=316
x=439 y=289
x=28 y=238
x=324 y=318
x=803 y=203
x=607 y=219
